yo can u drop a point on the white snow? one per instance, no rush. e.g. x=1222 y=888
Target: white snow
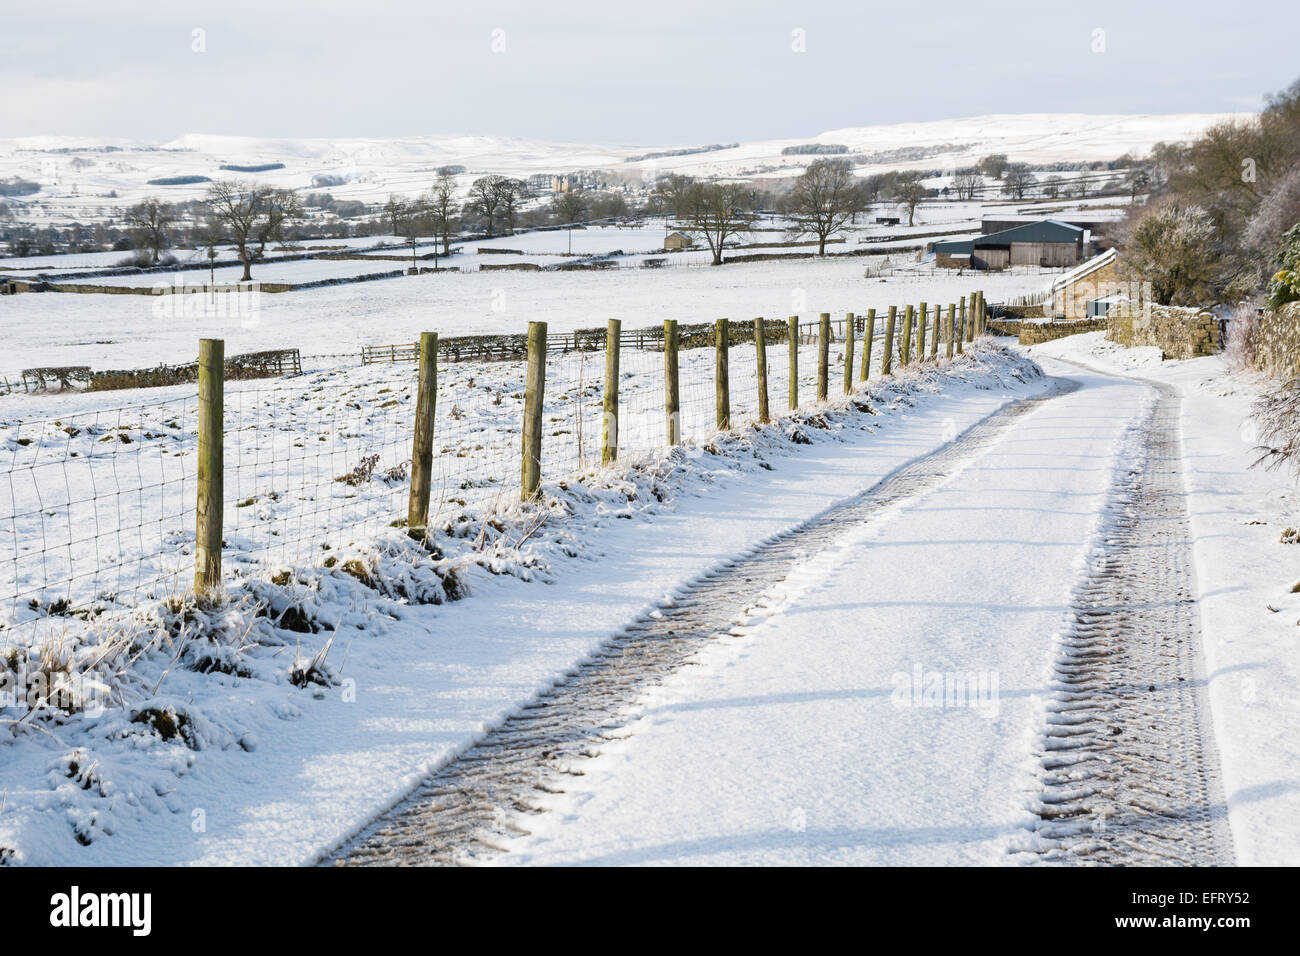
x=1243 y=574
x=815 y=737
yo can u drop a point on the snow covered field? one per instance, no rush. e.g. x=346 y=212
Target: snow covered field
x=128 y=331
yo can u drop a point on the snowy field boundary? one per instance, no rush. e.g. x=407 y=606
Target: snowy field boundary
x=98 y=504
x=191 y=685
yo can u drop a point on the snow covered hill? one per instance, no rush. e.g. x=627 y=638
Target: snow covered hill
x=76 y=171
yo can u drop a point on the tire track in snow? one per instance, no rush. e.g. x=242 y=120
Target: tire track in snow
x=1129 y=772
x=471 y=808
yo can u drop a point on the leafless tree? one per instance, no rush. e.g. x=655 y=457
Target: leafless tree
x=824 y=199
x=396 y=212
x=1017 y=181
x=510 y=193
x=570 y=207
x=251 y=213
x=485 y=199
x=151 y=220
x=441 y=202
x=671 y=195
x=718 y=212
x=909 y=191
x=967 y=183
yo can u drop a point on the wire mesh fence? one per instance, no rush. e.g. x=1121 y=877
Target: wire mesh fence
x=98 y=508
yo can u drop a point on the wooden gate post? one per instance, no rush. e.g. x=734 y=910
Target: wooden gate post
x=534 y=392
x=609 y=423
x=426 y=403
x=849 y=336
x=867 y=338
x=721 y=376
x=760 y=366
x=887 y=357
x=208 y=513
x=672 y=396
x=823 y=356
x=793 y=339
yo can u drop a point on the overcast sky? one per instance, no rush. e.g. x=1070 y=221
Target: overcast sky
x=654 y=72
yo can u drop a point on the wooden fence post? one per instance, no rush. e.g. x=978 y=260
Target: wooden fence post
x=971 y=312
x=426 y=403
x=672 y=396
x=887 y=357
x=721 y=377
x=211 y=473
x=938 y=329
x=760 y=365
x=849 y=336
x=961 y=325
x=947 y=335
x=867 y=338
x=905 y=346
x=609 y=424
x=534 y=391
x=922 y=315
x=793 y=339
x=823 y=356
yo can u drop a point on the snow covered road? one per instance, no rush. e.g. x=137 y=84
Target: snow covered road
x=883 y=702
x=821 y=735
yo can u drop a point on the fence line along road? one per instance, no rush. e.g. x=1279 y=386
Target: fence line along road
x=114 y=507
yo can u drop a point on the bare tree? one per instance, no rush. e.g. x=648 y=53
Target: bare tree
x=396 y=212
x=570 y=208
x=151 y=220
x=671 y=195
x=1138 y=181
x=717 y=211
x=993 y=165
x=909 y=191
x=510 y=193
x=1017 y=181
x=824 y=199
x=967 y=183
x=251 y=213
x=1052 y=187
x=441 y=202
x=485 y=195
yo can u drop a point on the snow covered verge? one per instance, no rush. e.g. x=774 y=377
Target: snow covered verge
x=270 y=725
x=1246 y=579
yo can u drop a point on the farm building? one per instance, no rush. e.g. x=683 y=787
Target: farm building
x=1043 y=243
x=677 y=241
x=1089 y=290
x=1092 y=221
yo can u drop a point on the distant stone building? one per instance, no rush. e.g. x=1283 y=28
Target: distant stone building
x=677 y=241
